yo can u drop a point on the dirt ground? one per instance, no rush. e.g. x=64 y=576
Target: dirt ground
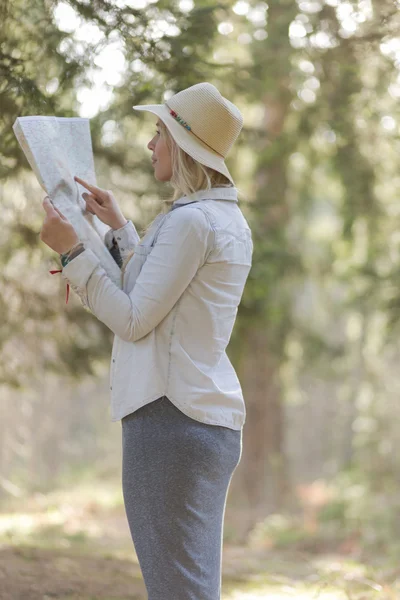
x=74 y=547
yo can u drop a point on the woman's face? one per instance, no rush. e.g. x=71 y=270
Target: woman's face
x=161 y=157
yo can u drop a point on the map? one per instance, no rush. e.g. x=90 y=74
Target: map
x=57 y=148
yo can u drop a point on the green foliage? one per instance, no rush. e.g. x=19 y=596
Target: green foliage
x=368 y=514
x=319 y=179
x=29 y=40
x=279 y=531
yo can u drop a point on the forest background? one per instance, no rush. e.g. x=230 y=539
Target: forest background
x=315 y=345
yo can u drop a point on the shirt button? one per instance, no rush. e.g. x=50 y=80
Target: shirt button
x=118 y=238
x=113 y=359
x=122 y=249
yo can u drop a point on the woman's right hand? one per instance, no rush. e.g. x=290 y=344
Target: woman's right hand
x=102 y=204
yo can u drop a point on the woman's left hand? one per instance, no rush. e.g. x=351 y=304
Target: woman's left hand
x=57 y=232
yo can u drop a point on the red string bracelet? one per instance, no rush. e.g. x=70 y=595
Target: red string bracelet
x=60 y=271
x=65 y=258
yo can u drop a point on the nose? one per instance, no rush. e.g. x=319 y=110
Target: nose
x=150 y=145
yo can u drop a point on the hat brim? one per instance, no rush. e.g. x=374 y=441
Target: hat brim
x=187 y=141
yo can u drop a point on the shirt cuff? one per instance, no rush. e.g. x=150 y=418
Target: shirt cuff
x=126 y=237
x=78 y=271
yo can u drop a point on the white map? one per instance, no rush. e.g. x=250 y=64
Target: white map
x=57 y=148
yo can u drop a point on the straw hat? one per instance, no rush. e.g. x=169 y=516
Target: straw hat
x=202 y=122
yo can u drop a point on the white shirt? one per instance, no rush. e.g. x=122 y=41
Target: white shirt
x=174 y=317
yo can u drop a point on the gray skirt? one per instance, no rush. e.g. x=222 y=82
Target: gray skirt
x=176 y=474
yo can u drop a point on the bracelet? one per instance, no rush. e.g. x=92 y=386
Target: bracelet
x=72 y=248
x=72 y=253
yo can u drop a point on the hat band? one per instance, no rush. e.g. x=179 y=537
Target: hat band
x=187 y=126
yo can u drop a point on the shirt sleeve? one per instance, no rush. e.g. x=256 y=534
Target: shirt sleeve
x=126 y=237
x=182 y=247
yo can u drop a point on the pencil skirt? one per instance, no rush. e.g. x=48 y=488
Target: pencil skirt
x=176 y=473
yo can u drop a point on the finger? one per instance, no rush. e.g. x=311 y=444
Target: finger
x=48 y=207
x=60 y=213
x=94 y=205
x=90 y=210
x=92 y=188
x=89 y=205
x=93 y=198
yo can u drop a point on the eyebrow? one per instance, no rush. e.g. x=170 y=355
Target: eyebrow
x=158 y=123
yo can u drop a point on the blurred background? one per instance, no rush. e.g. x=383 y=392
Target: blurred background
x=313 y=509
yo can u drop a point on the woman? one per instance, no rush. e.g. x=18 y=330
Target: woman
x=172 y=384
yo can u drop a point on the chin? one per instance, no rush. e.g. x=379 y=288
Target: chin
x=162 y=177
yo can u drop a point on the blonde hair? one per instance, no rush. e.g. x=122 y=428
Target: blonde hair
x=188 y=176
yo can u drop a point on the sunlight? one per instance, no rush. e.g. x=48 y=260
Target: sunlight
x=291 y=592
x=66 y=17
x=110 y=61
x=186 y=5
x=241 y=8
x=258 y=15
x=225 y=28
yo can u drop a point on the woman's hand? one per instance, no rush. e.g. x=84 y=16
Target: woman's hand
x=57 y=232
x=102 y=204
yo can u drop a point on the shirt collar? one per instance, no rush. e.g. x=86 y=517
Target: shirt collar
x=215 y=193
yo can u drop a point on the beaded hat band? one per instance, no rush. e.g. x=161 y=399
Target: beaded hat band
x=187 y=126
x=178 y=118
